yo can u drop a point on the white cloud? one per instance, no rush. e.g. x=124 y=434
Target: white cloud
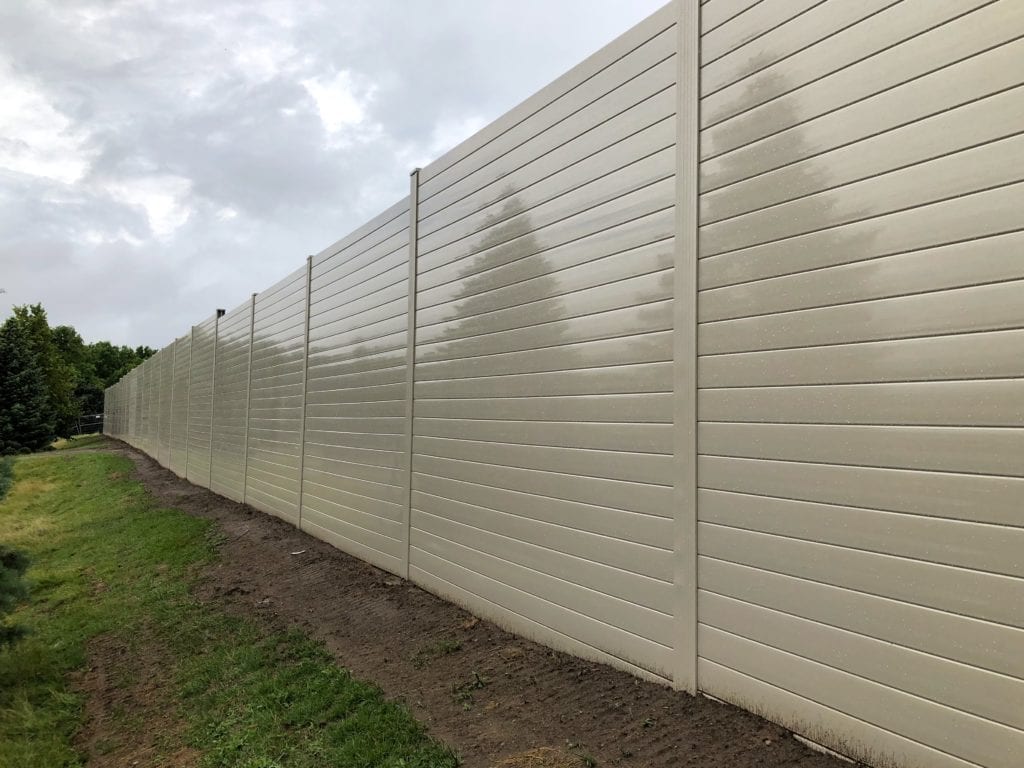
x=163 y=198
x=337 y=100
x=35 y=138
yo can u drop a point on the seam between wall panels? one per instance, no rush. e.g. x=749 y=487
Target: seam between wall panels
x=685 y=345
x=305 y=389
x=410 y=356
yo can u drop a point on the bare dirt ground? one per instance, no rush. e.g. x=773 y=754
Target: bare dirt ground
x=500 y=700
x=127 y=685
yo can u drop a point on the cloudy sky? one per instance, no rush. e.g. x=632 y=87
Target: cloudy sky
x=159 y=159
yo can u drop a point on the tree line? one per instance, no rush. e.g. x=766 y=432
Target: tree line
x=49 y=378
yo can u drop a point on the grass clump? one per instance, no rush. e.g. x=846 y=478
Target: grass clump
x=108 y=561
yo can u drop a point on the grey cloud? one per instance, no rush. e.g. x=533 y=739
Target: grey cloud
x=193 y=117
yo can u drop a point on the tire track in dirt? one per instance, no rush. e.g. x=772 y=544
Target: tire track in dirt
x=490 y=694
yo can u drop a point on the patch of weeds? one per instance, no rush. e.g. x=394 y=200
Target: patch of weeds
x=247 y=696
x=462 y=693
x=587 y=759
x=445 y=647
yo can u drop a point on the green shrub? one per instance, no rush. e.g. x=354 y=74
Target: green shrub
x=6 y=475
x=13 y=589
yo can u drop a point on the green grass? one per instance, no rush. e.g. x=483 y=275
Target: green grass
x=107 y=559
x=77 y=441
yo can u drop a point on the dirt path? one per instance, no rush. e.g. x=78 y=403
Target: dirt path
x=498 y=699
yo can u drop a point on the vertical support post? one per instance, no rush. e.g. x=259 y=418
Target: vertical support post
x=305 y=385
x=188 y=397
x=685 y=345
x=248 y=401
x=410 y=355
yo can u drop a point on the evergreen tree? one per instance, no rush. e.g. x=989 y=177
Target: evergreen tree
x=58 y=376
x=26 y=419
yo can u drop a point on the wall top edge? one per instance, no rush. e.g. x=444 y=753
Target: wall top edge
x=401 y=208
x=657 y=22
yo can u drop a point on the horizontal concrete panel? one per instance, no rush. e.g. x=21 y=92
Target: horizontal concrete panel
x=752 y=22
x=978 y=643
x=635 y=497
x=647 y=530
x=537 y=618
x=625 y=350
x=972 y=690
x=365 y=545
x=655 y=407
x=970 y=738
x=874 y=35
x=817 y=23
x=633 y=163
x=996 y=355
x=385 y=330
x=369 y=394
x=987 y=596
x=651 y=377
x=638 y=604
x=988 y=548
x=482 y=299
x=951 y=176
x=626 y=322
x=387 y=534
x=930 y=140
x=988 y=26
x=343 y=485
x=638 y=49
x=974 y=262
x=632 y=467
x=362 y=239
x=982 y=75
x=477 y=321
x=539 y=585
x=634 y=108
x=645 y=560
x=634 y=438
x=832 y=728
x=521 y=236
x=372 y=503
x=939 y=494
x=943 y=449
x=714 y=13
x=354 y=266
x=363 y=440
x=965 y=218
x=440 y=285
x=964 y=310
x=322 y=378
x=993 y=403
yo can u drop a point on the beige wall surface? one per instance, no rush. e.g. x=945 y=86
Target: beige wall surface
x=355 y=481
x=705 y=361
x=231 y=403
x=179 y=404
x=200 y=402
x=542 y=474
x=861 y=457
x=276 y=398
x=163 y=454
